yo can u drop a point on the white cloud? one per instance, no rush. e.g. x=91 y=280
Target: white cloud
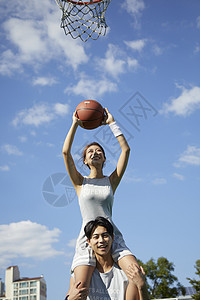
x=133 y=178
x=33 y=133
x=36 y=115
x=157 y=50
x=136 y=45
x=197 y=49
x=5 y=168
x=44 y=81
x=112 y=63
x=34 y=31
x=116 y=62
x=185 y=104
x=50 y=145
x=132 y=63
x=22 y=139
x=9 y=63
x=91 y=88
x=158 y=181
x=61 y=109
x=191 y=156
x=25 y=9
x=68 y=50
x=40 y=114
x=134 y=8
x=11 y=150
x=31 y=45
x=198 y=22
x=41 y=143
x=179 y=176
x=72 y=243
x=28 y=37
x=27 y=239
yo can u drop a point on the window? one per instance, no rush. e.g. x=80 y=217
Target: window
x=33 y=283
x=15 y=293
x=23 y=292
x=23 y=284
x=23 y=298
x=33 y=297
x=33 y=291
x=15 y=285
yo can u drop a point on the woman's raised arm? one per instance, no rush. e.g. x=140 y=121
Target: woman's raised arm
x=116 y=176
x=75 y=176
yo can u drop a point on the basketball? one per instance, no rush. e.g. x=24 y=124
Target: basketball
x=91 y=113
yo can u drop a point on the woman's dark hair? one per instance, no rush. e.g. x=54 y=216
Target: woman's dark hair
x=99 y=221
x=85 y=150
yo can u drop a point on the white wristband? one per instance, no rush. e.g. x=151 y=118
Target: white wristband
x=115 y=129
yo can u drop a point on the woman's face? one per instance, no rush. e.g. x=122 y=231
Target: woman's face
x=94 y=156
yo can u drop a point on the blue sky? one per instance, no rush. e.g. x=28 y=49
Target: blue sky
x=146 y=72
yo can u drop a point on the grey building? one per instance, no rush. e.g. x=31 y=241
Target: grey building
x=17 y=288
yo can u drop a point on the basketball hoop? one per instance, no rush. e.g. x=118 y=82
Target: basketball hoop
x=83 y=18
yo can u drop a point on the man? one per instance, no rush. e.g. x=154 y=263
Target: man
x=108 y=281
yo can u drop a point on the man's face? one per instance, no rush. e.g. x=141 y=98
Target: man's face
x=101 y=241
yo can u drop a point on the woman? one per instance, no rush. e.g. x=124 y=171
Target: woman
x=95 y=194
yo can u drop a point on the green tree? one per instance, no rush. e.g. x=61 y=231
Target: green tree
x=196 y=283
x=160 y=280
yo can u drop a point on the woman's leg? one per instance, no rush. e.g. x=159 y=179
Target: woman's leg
x=132 y=290
x=127 y=261
x=83 y=274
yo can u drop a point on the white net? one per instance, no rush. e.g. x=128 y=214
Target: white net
x=83 y=19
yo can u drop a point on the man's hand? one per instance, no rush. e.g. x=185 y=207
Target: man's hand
x=77 y=293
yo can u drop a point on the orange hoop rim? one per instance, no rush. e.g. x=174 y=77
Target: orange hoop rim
x=83 y=3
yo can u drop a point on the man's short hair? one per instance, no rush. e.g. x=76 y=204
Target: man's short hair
x=99 y=221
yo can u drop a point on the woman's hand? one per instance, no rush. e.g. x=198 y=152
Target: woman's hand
x=77 y=293
x=108 y=119
x=137 y=275
x=77 y=120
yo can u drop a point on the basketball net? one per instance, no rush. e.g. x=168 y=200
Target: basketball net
x=83 y=19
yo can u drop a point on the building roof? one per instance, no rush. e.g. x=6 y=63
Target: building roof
x=28 y=279
x=12 y=267
x=190 y=290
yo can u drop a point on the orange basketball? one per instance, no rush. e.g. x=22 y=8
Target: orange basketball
x=91 y=113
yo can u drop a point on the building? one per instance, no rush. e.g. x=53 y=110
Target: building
x=189 y=291
x=2 y=288
x=17 y=288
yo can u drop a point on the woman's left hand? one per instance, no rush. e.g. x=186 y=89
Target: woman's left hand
x=136 y=274
x=108 y=119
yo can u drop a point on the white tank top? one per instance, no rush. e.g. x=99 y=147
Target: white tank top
x=96 y=199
